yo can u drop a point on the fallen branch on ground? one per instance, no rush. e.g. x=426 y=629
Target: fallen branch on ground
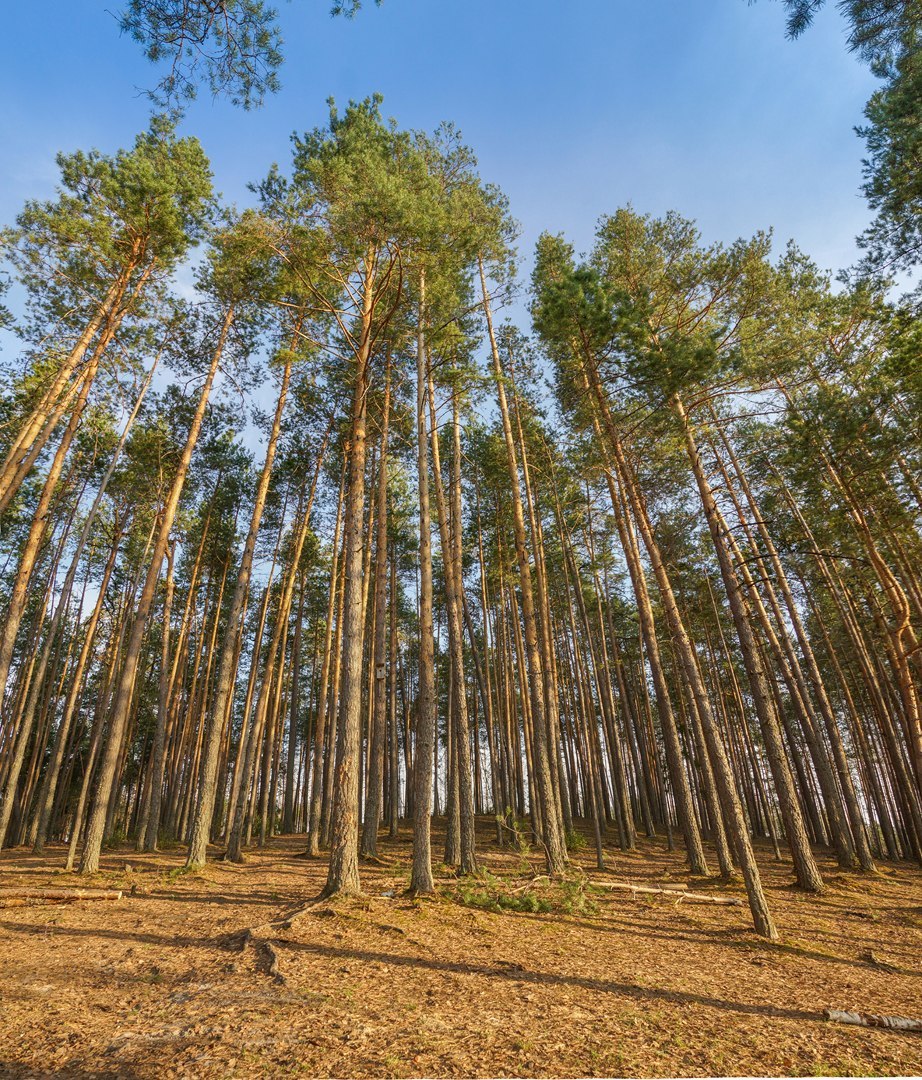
x=528 y=884
x=12 y=892
x=895 y=1023
x=680 y=894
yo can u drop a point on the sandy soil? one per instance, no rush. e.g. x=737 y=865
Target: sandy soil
x=165 y=983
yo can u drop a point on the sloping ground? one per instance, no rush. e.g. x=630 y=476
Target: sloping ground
x=162 y=983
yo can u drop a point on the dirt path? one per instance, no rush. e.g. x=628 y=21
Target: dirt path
x=161 y=984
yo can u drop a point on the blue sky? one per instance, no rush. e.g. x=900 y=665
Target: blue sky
x=574 y=107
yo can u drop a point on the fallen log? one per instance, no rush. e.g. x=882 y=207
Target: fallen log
x=894 y=1023
x=680 y=894
x=13 y=892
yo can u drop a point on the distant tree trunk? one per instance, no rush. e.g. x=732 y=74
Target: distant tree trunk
x=421 y=881
x=98 y=725
x=321 y=723
x=449 y=531
x=224 y=684
x=808 y=875
x=121 y=704
x=14 y=612
x=265 y=702
x=151 y=825
x=732 y=807
x=53 y=771
x=551 y=834
x=294 y=717
x=856 y=820
x=393 y=810
x=377 y=737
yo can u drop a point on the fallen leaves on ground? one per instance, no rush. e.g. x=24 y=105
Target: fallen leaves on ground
x=505 y=975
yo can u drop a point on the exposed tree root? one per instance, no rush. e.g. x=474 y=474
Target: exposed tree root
x=264 y=949
x=320 y=906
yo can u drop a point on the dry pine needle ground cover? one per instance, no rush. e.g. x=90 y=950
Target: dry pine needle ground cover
x=503 y=976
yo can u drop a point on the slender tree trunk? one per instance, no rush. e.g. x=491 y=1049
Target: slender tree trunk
x=732 y=807
x=806 y=870
x=551 y=836
x=121 y=704
x=374 y=787
x=323 y=711
x=224 y=685
x=421 y=881
x=294 y=716
x=459 y=731
x=343 y=876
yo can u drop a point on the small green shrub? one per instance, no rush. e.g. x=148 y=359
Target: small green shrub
x=180 y=872
x=575 y=840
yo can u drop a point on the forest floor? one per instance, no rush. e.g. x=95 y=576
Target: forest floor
x=499 y=976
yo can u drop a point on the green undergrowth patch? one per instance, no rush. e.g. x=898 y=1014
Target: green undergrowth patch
x=180 y=872
x=576 y=841
x=572 y=895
